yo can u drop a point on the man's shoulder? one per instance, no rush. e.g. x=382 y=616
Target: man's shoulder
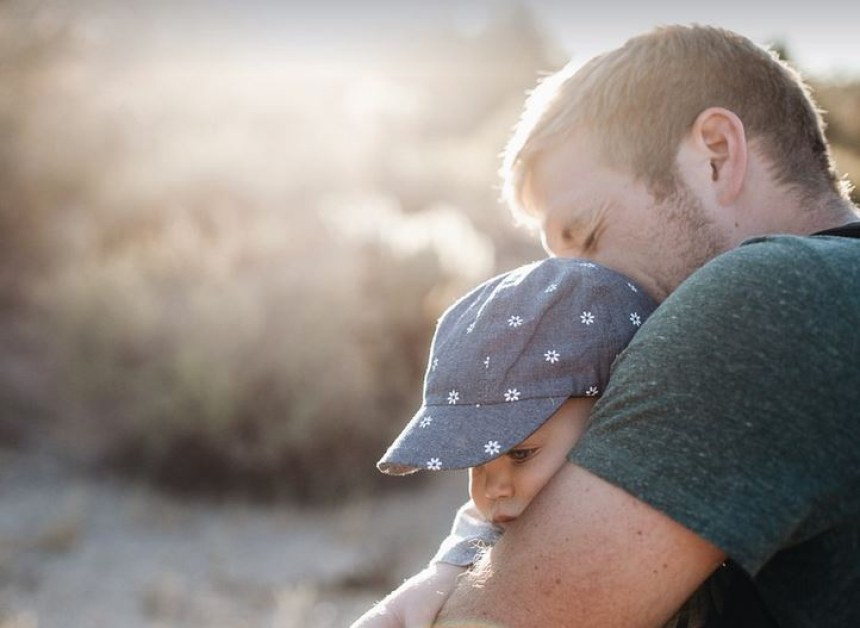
x=778 y=264
x=787 y=251
x=762 y=288
x=843 y=242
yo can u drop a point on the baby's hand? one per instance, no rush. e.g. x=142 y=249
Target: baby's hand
x=416 y=602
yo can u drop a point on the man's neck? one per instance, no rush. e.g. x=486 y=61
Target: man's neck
x=799 y=216
x=836 y=213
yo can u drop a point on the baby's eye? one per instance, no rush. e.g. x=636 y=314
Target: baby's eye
x=521 y=455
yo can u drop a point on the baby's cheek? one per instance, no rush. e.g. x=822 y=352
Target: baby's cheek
x=477 y=496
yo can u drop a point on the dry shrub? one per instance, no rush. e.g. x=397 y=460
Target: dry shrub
x=254 y=354
x=185 y=237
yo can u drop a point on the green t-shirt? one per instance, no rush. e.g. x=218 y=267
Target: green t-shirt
x=736 y=411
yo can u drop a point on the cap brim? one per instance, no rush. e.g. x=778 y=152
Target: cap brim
x=460 y=436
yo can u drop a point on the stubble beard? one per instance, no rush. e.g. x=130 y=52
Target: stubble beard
x=691 y=237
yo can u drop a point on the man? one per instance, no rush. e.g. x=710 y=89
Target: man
x=731 y=426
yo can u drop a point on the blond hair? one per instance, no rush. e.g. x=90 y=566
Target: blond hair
x=638 y=101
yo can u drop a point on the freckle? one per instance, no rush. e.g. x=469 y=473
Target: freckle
x=558 y=580
x=639 y=532
x=535 y=567
x=654 y=572
x=665 y=565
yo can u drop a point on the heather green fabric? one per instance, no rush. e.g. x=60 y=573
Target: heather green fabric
x=736 y=411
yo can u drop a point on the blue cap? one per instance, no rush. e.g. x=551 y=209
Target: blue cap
x=507 y=355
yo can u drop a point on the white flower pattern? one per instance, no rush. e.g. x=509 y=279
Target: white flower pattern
x=487 y=362
x=551 y=287
x=587 y=318
x=453 y=397
x=592 y=391
x=426 y=421
x=632 y=287
x=492 y=447
x=515 y=321
x=512 y=394
x=434 y=464
x=551 y=356
x=635 y=319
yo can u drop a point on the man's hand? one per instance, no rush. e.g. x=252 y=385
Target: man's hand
x=414 y=603
x=585 y=553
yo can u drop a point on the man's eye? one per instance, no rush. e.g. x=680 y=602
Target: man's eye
x=521 y=455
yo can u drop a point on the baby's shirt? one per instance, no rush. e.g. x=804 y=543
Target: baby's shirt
x=470 y=535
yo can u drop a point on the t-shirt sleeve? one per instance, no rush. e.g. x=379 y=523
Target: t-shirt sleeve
x=470 y=534
x=734 y=408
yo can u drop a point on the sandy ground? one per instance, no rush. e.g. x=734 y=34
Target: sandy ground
x=81 y=551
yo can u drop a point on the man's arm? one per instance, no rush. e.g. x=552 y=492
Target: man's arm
x=584 y=553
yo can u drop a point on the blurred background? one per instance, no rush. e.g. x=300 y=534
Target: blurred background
x=226 y=232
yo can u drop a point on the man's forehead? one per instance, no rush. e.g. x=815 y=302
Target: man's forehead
x=551 y=199
x=568 y=175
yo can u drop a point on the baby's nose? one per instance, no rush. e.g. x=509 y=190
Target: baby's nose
x=498 y=485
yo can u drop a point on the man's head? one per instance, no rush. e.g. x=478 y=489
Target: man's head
x=507 y=356
x=689 y=139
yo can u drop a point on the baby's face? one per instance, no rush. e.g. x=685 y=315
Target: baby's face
x=504 y=487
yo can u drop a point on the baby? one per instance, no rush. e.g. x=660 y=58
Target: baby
x=515 y=367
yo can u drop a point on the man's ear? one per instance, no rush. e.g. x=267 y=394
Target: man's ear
x=720 y=136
